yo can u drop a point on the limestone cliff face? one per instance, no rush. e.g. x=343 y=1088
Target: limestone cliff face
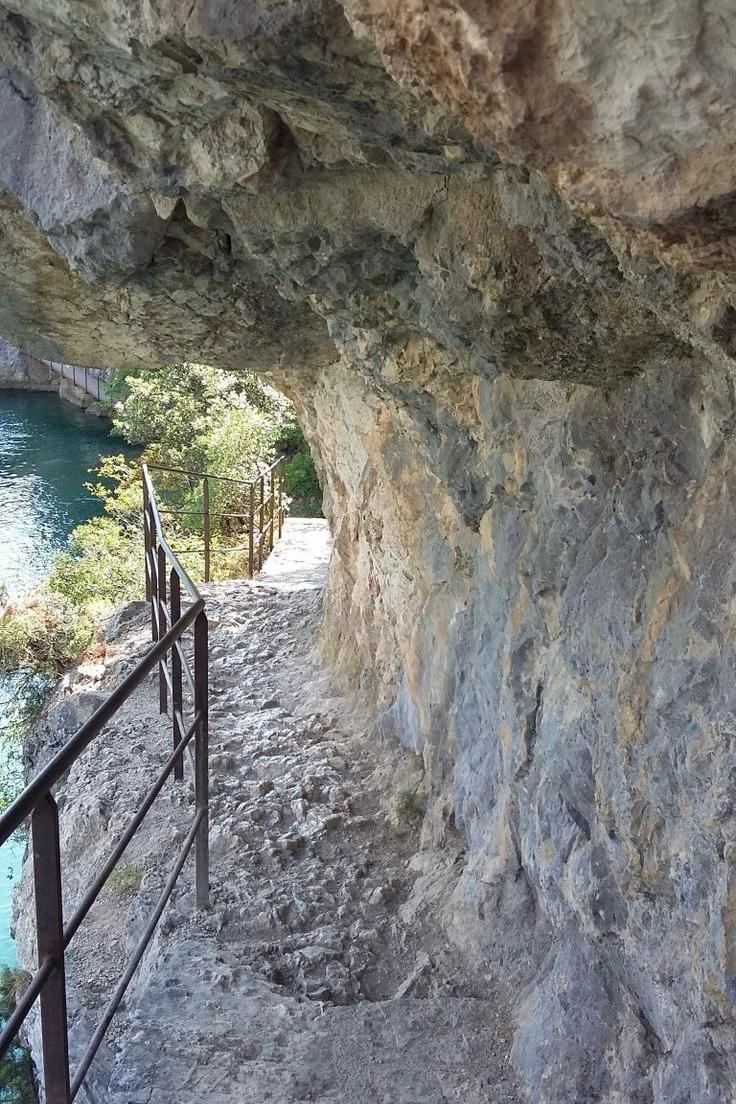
x=20 y=372
x=488 y=250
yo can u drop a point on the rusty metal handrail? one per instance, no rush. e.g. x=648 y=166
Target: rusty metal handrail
x=265 y=501
x=48 y=984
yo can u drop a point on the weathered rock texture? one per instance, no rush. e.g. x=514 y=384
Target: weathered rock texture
x=20 y=372
x=489 y=251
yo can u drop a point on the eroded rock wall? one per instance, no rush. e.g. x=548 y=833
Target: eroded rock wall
x=20 y=372
x=487 y=249
x=565 y=665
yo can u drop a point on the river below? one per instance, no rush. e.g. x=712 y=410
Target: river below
x=47 y=449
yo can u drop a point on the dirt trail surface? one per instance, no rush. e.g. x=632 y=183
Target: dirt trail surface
x=318 y=974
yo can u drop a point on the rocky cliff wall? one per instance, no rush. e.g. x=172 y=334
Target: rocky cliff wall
x=488 y=251
x=20 y=372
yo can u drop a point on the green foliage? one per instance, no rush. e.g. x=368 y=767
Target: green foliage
x=102 y=567
x=13 y=983
x=16 y=1083
x=126 y=878
x=239 y=441
x=43 y=633
x=187 y=416
x=301 y=482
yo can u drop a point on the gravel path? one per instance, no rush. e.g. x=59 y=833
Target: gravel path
x=306 y=981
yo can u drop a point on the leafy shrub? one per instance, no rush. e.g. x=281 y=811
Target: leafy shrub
x=43 y=633
x=102 y=567
x=300 y=478
x=182 y=409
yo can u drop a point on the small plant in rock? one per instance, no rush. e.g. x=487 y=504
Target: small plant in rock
x=126 y=878
x=13 y=984
x=409 y=804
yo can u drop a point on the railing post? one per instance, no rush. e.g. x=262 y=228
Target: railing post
x=251 y=521
x=163 y=697
x=271 y=508
x=281 y=495
x=146 y=538
x=206 y=513
x=177 y=697
x=201 y=760
x=50 y=936
x=153 y=572
x=261 y=530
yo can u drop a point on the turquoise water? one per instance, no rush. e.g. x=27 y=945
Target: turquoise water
x=47 y=449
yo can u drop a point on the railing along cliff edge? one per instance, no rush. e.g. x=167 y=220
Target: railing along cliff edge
x=264 y=512
x=164 y=574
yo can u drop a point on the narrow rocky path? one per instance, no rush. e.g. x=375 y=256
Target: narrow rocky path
x=304 y=982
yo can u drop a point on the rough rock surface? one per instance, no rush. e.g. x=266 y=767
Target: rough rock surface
x=320 y=972
x=20 y=372
x=489 y=251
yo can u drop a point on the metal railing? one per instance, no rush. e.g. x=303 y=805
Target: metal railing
x=169 y=624
x=262 y=514
x=90 y=380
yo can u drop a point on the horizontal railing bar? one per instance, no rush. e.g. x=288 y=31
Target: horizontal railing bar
x=164 y=610
x=259 y=535
x=171 y=557
x=186 y=669
x=215 y=475
x=24 y=1005
x=179 y=721
x=161 y=539
x=166 y=675
x=124 y=982
x=201 y=513
x=203 y=475
x=24 y=804
x=92 y=893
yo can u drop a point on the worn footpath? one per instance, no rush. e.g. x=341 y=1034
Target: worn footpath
x=320 y=972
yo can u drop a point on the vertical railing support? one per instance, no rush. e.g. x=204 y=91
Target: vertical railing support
x=163 y=696
x=153 y=572
x=177 y=697
x=281 y=496
x=206 y=513
x=271 y=509
x=261 y=521
x=251 y=522
x=50 y=935
x=201 y=759
x=146 y=539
